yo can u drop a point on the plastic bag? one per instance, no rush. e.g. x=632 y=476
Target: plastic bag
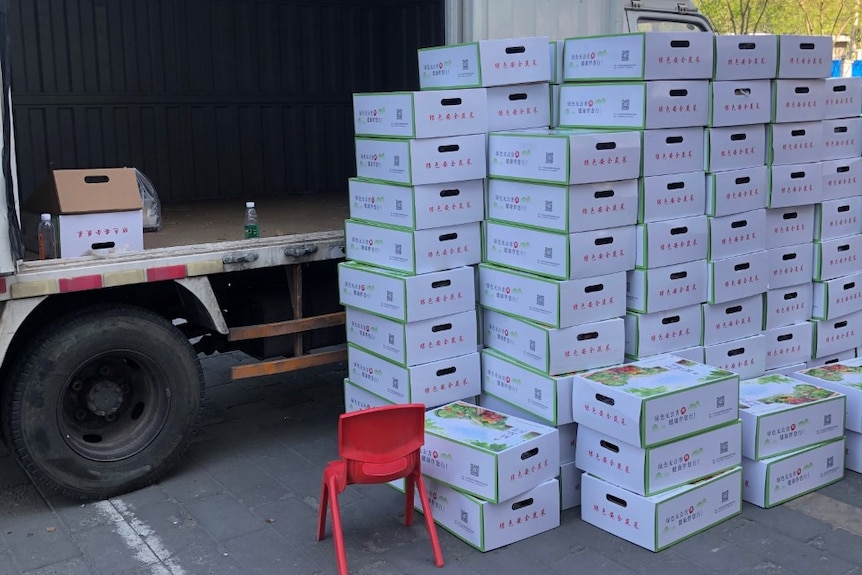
x=150 y=200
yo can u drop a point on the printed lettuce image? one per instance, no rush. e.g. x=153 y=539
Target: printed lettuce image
x=835 y=372
x=802 y=393
x=620 y=375
x=475 y=414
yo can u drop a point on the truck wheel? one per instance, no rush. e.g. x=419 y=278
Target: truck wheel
x=103 y=402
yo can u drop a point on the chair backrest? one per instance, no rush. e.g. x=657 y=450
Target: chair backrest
x=381 y=434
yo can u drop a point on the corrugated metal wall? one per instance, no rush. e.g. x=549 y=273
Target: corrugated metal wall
x=209 y=98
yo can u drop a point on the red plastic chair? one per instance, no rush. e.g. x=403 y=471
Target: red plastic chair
x=377 y=445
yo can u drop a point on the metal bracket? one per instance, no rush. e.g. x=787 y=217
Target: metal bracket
x=299 y=251
x=240 y=258
x=682 y=7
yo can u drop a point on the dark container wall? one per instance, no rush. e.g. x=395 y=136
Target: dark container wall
x=212 y=99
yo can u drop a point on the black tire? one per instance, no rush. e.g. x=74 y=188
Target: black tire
x=104 y=401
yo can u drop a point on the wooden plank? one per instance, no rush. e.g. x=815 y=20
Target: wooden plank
x=276 y=366
x=295 y=284
x=286 y=327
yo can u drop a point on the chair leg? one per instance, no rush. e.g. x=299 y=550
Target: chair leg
x=321 y=512
x=340 y=555
x=409 y=486
x=429 y=521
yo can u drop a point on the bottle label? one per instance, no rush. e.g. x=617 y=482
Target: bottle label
x=41 y=245
x=252 y=231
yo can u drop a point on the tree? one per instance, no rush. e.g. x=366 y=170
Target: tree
x=811 y=17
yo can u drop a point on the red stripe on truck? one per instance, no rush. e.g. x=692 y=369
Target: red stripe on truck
x=166 y=273
x=82 y=283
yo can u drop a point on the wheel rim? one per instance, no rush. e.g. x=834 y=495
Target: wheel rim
x=114 y=405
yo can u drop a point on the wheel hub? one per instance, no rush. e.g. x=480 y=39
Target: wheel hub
x=105 y=398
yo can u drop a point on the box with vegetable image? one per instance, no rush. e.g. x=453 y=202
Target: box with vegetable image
x=656 y=400
x=488 y=454
x=781 y=414
x=844 y=377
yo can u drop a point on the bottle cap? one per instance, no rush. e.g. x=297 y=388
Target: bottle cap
x=46 y=217
x=249 y=204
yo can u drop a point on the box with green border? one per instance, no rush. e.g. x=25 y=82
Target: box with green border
x=420 y=114
x=657 y=289
x=837 y=257
x=837 y=297
x=669 y=242
x=671 y=196
x=837 y=218
x=649 y=334
x=737 y=191
x=612 y=105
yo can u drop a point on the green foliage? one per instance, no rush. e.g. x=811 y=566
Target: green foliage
x=813 y=17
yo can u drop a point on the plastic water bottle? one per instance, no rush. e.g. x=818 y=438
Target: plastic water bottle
x=251 y=228
x=47 y=234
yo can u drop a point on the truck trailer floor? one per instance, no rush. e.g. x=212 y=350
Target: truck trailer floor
x=245 y=502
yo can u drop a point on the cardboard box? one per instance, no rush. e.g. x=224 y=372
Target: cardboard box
x=485 y=63
x=662 y=332
x=564 y=156
x=837 y=257
x=841 y=178
x=837 y=297
x=415 y=343
x=659 y=521
x=556 y=351
x=659 y=289
x=786 y=306
x=838 y=218
x=788 y=345
x=789 y=226
x=745 y=57
x=781 y=414
x=555 y=51
x=561 y=208
x=669 y=242
x=96 y=211
x=651 y=470
x=737 y=191
x=796 y=143
x=837 y=335
x=804 y=56
x=673 y=151
x=518 y=106
x=839 y=357
x=770 y=482
x=547 y=397
x=733 y=320
x=672 y=196
x=560 y=256
x=488 y=526
x=842 y=138
x=736 y=234
x=417 y=207
x=795 y=185
x=655 y=400
x=639 y=56
x=843 y=98
x=677 y=104
x=691 y=353
x=421 y=114
x=798 y=100
x=735 y=147
x=570 y=486
x=744 y=357
x=790 y=265
x=556 y=303
x=603 y=105
x=844 y=377
x=413 y=251
x=404 y=297
x=425 y=161
x=357 y=398
x=434 y=383
x=785 y=370
x=737 y=277
x=488 y=454
x=740 y=102
x=852 y=451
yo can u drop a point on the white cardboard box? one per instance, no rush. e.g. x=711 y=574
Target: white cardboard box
x=520 y=106
x=421 y=114
x=555 y=50
x=556 y=351
x=790 y=265
x=413 y=251
x=804 y=56
x=744 y=357
x=736 y=234
x=789 y=226
x=565 y=156
x=735 y=147
x=843 y=98
x=841 y=178
x=796 y=143
x=837 y=297
x=853 y=451
x=737 y=191
x=837 y=257
x=672 y=196
x=357 y=398
x=485 y=63
x=785 y=370
x=836 y=335
x=669 y=242
x=659 y=521
x=433 y=383
x=414 y=343
x=677 y=104
x=425 y=161
x=417 y=207
x=658 y=289
x=404 y=297
x=839 y=357
x=651 y=470
x=845 y=377
x=560 y=256
x=557 y=303
x=486 y=453
x=740 y=102
x=798 y=100
x=842 y=138
x=737 y=277
x=788 y=305
x=662 y=332
x=788 y=345
x=570 y=486
x=673 y=151
x=732 y=320
x=838 y=218
x=782 y=414
x=795 y=185
x=603 y=105
x=561 y=208
x=745 y=57
x=770 y=482
x=655 y=400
